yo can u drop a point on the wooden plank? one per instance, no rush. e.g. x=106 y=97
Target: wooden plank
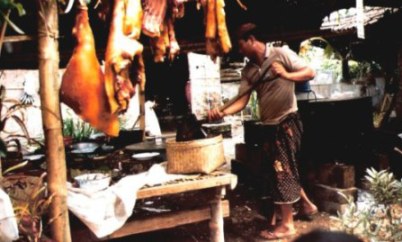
x=18 y=38
x=165 y=221
x=184 y=186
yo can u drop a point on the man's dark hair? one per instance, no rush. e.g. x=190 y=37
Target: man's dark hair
x=245 y=30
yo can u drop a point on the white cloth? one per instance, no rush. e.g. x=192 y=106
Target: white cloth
x=152 y=127
x=106 y=211
x=8 y=222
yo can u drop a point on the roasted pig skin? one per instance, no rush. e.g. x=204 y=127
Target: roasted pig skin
x=83 y=83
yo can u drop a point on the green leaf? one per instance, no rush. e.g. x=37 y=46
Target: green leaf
x=19 y=165
x=12 y=25
x=3 y=148
x=369 y=179
x=5 y=4
x=20 y=9
x=370 y=172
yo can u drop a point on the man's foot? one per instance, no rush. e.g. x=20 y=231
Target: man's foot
x=307 y=212
x=277 y=233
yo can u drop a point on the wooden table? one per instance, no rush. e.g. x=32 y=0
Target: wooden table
x=216 y=209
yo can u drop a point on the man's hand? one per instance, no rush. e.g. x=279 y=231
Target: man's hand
x=215 y=114
x=279 y=69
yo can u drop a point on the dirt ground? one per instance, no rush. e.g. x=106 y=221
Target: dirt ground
x=245 y=222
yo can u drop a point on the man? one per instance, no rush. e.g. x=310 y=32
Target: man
x=277 y=70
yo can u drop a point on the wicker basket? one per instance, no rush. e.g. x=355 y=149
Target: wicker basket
x=196 y=156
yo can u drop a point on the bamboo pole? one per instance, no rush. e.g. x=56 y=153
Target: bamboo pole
x=48 y=55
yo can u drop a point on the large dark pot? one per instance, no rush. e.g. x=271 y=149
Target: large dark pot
x=252 y=132
x=127 y=137
x=256 y=133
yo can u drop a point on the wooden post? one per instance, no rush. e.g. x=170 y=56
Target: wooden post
x=141 y=99
x=216 y=222
x=142 y=78
x=50 y=105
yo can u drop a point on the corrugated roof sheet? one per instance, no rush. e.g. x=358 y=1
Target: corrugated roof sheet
x=345 y=19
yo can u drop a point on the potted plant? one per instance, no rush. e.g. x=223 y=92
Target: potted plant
x=75 y=130
x=378 y=220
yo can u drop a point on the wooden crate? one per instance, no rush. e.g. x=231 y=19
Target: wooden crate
x=336 y=175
